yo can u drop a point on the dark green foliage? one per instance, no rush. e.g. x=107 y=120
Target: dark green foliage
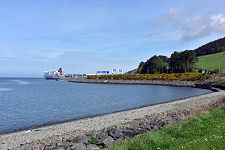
x=140 y=67
x=156 y=64
x=179 y=62
x=182 y=61
x=71 y=140
x=211 y=47
x=94 y=140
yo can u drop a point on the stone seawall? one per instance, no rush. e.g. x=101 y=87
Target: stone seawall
x=110 y=128
x=144 y=82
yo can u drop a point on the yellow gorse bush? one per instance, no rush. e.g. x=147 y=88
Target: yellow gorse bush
x=166 y=77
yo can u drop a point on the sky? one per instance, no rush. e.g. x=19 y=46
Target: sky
x=84 y=36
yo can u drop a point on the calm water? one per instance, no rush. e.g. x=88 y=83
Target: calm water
x=26 y=103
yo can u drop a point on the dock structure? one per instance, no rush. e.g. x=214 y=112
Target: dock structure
x=74 y=75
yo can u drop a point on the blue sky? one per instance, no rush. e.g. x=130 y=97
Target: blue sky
x=83 y=36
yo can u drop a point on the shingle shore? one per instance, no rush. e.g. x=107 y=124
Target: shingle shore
x=36 y=138
x=144 y=82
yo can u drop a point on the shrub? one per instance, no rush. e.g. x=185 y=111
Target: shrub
x=94 y=140
x=166 y=77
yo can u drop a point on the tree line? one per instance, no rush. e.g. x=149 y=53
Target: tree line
x=211 y=47
x=179 y=62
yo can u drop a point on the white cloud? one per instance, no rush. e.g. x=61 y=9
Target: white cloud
x=218 y=22
x=193 y=26
x=173 y=14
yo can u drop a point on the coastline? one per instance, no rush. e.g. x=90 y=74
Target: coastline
x=140 y=82
x=92 y=116
x=203 y=85
x=39 y=137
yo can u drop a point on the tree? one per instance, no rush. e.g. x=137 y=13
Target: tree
x=140 y=67
x=183 y=61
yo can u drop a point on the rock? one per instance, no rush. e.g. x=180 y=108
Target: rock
x=49 y=147
x=129 y=133
x=118 y=140
x=53 y=144
x=62 y=147
x=83 y=139
x=156 y=128
x=102 y=134
x=106 y=142
x=168 y=119
x=92 y=147
x=145 y=126
x=116 y=133
x=79 y=146
x=160 y=123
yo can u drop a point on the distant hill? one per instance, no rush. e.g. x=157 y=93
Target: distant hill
x=210 y=56
x=211 y=47
x=212 y=62
x=132 y=71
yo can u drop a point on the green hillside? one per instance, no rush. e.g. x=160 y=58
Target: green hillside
x=212 y=62
x=211 y=47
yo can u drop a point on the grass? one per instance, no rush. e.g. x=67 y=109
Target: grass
x=212 y=62
x=203 y=132
x=94 y=140
x=71 y=140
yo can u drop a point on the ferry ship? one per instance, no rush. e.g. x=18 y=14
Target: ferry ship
x=51 y=74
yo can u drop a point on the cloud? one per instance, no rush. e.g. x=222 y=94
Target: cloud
x=218 y=22
x=192 y=26
x=173 y=14
x=44 y=55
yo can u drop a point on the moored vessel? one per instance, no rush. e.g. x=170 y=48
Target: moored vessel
x=51 y=74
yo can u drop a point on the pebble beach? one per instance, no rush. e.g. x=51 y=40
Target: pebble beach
x=39 y=137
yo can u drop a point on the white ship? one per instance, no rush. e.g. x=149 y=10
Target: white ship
x=52 y=74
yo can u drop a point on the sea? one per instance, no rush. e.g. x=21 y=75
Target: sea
x=27 y=103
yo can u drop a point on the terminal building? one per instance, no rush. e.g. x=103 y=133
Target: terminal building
x=117 y=71
x=102 y=73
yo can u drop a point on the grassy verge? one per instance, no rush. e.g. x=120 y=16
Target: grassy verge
x=203 y=132
x=212 y=62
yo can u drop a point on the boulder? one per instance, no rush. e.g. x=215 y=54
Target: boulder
x=129 y=133
x=79 y=146
x=106 y=142
x=83 y=139
x=92 y=147
x=102 y=134
x=116 y=133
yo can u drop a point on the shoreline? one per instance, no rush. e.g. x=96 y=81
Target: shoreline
x=39 y=137
x=139 y=82
x=92 y=116
x=202 y=85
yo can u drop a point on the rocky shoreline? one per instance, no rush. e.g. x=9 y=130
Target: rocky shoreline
x=204 y=85
x=141 y=82
x=102 y=131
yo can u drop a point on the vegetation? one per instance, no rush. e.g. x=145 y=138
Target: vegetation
x=212 y=62
x=211 y=47
x=94 y=140
x=156 y=64
x=71 y=140
x=183 y=61
x=203 y=132
x=166 y=77
x=180 y=62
